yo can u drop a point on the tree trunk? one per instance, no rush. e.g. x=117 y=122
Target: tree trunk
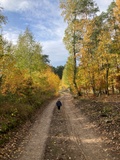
x=94 y=89
x=107 y=85
x=113 y=89
x=75 y=63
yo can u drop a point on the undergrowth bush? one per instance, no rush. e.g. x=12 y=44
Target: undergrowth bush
x=15 y=110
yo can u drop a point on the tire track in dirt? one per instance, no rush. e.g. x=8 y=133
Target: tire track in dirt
x=82 y=133
x=75 y=140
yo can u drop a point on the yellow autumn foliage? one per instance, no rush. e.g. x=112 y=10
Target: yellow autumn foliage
x=117 y=10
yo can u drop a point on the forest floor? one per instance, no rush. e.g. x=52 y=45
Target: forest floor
x=84 y=129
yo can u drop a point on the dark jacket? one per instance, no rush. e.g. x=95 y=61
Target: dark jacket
x=58 y=103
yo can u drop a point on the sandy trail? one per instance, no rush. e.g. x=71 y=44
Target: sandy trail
x=84 y=144
x=82 y=133
x=33 y=145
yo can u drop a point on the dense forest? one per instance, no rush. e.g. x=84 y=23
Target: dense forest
x=93 y=42
x=26 y=79
x=93 y=66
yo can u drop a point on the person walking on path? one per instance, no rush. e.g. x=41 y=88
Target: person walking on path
x=58 y=104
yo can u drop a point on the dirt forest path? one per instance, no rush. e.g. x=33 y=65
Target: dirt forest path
x=62 y=135
x=72 y=136
x=32 y=147
x=82 y=133
x=90 y=144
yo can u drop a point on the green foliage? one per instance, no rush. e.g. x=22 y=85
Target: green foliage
x=28 y=53
x=45 y=58
x=58 y=70
x=2 y=17
x=26 y=81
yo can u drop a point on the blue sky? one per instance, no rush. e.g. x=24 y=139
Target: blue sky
x=43 y=17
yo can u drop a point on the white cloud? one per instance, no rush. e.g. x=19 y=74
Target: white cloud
x=53 y=31
x=11 y=35
x=56 y=51
x=25 y=5
x=37 y=8
x=16 y=5
x=46 y=24
x=103 y=4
